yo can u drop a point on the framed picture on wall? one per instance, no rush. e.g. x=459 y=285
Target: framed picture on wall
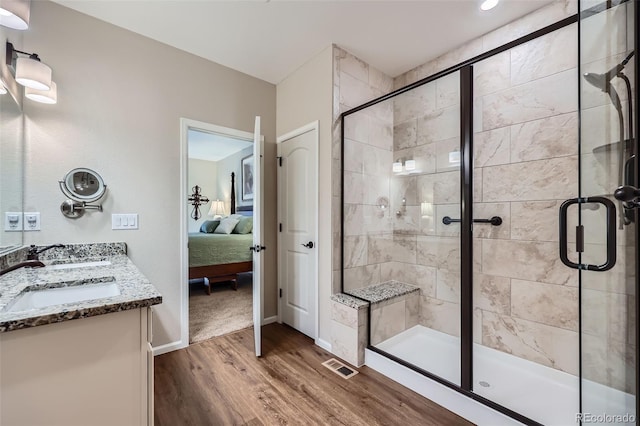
x=246 y=167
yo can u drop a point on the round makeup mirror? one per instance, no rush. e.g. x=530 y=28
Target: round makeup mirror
x=83 y=185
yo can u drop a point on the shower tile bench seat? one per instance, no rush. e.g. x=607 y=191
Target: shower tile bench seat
x=394 y=309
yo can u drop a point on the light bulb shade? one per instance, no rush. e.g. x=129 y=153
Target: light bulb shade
x=33 y=73
x=397 y=167
x=217 y=208
x=410 y=165
x=15 y=13
x=43 y=96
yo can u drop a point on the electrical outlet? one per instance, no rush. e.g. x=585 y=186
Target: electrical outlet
x=13 y=221
x=31 y=221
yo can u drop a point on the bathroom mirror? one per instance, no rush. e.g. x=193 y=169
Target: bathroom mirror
x=83 y=185
x=11 y=173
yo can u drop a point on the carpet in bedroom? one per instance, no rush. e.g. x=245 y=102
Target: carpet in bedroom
x=224 y=311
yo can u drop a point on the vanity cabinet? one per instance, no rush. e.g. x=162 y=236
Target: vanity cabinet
x=90 y=371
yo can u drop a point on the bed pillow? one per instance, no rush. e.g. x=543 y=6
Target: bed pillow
x=244 y=226
x=226 y=226
x=208 y=226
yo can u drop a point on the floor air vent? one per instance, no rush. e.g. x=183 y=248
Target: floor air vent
x=339 y=368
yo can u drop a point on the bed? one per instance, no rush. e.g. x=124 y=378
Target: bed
x=220 y=257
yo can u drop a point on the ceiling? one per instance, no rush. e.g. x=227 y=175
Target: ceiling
x=271 y=39
x=213 y=147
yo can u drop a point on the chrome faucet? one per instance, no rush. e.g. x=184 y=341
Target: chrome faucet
x=34 y=252
x=26 y=264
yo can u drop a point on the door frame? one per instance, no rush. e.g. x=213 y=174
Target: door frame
x=185 y=125
x=313 y=126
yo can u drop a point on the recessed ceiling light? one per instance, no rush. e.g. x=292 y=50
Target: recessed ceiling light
x=488 y=4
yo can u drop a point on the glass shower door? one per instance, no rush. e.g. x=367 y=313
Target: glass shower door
x=608 y=281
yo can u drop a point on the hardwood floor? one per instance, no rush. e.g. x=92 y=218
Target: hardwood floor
x=221 y=382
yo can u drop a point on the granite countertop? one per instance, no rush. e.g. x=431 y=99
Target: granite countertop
x=135 y=289
x=384 y=291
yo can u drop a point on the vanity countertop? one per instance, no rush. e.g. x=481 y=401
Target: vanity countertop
x=135 y=289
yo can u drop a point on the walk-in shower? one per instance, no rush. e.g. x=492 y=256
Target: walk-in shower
x=479 y=222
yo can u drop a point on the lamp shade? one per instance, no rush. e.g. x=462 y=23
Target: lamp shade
x=217 y=208
x=43 y=96
x=33 y=73
x=15 y=14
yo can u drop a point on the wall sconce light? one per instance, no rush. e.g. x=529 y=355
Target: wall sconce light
x=196 y=200
x=32 y=74
x=217 y=209
x=15 y=14
x=397 y=167
x=409 y=167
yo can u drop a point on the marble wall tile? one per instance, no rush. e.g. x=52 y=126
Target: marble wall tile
x=412 y=311
x=387 y=321
x=544 y=56
x=357 y=188
x=414 y=103
x=354 y=67
x=443 y=148
x=440 y=315
x=418 y=275
x=354 y=156
x=619 y=279
x=336 y=187
x=336 y=252
x=492 y=74
x=451 y=210
x=357 y=127
x=545 y=138
x=361 y=276
x=404 y=187
x=377 y=220
x=376 y=161
x=425 y=70
x=354 y=92
x=611 y=365
x=528 y=260
x=545 y=97
x=381 y=135
x=439 y=125
x=592 y=96
x=396 y=248
x=492 y=293
x=549 y=304
x=603 y=34
x=354 y=219
x=382 y=111
x=428 y=219
x=344 y=314
x=600 y=173
x=536 y=20
x=492 y=147
x=448 y=285
x=477 y=326
x=405 y=135
x=631 y=321
x=537 y=220
x=448 y=91
x=375 y=186
x=556 y=178
x=406 y=220
x=380 y=80
x=606 y=314
x=487 y=211
x=550 y=346
x=439 y=252
x=477 y=115
x=478 y=179
x=355 y=251
x=344 y=342
x=439 y=188
x=462 y=53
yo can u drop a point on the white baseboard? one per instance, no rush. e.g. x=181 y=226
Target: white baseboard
x=270 y=320
x=324 y=344
x=169 y=347
x=440 y=394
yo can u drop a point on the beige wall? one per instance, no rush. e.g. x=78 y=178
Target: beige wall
x=204 y=174
x=304 y=97
x=120 y=100
x=225 y=167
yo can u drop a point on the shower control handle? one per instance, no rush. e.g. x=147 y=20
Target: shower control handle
x=628 y=194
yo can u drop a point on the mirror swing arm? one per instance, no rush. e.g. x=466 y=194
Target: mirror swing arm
x=81 y=186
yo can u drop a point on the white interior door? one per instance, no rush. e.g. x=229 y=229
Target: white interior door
x=258 y=248
x=298 y=211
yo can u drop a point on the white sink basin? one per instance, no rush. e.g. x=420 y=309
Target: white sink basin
x=79 y=265
x=37 y=299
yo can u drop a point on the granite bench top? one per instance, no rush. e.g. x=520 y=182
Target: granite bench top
x=135 y=289
x=349 y=301
x=384 y=291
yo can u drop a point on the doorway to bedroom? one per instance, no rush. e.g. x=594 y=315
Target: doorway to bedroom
x=219 y=223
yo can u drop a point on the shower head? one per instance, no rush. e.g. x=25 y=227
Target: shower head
x=603 y=81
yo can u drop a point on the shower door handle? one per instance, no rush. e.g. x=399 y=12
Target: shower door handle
x=611 y=234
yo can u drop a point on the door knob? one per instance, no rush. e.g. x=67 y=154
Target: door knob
x=308 y=245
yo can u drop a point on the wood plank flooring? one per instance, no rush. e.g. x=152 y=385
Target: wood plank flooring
x=221 y=382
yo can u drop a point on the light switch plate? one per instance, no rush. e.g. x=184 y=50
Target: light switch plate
x=31 y=221
x=124 y=221
x=13 y=221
